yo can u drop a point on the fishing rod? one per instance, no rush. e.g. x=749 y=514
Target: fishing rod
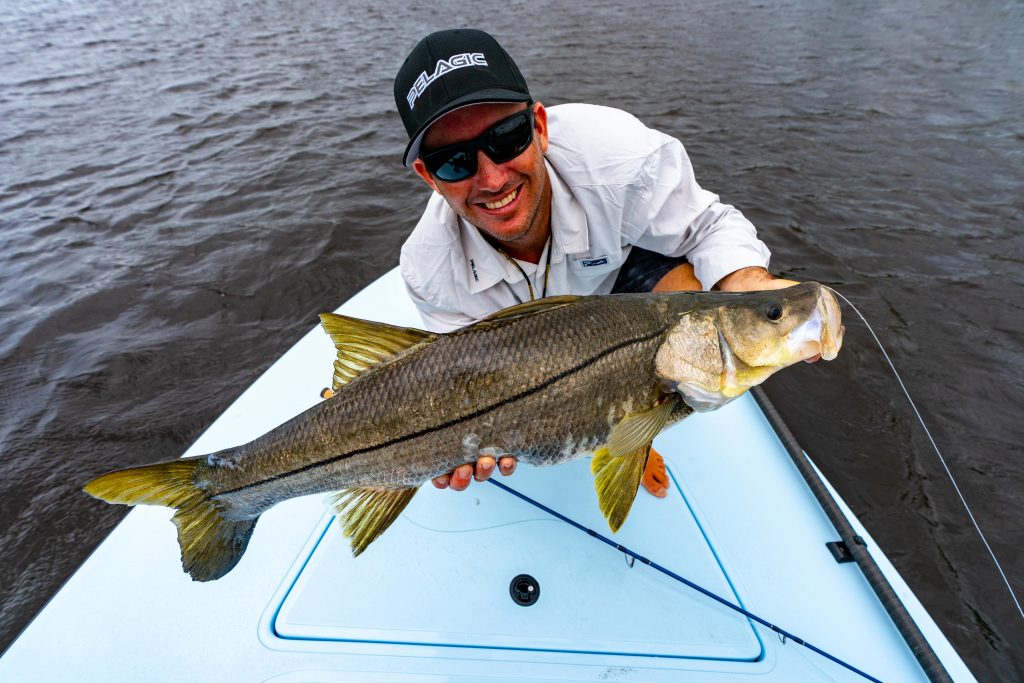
x=786 y=635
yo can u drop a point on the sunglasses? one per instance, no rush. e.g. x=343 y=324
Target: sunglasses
x=502 y=142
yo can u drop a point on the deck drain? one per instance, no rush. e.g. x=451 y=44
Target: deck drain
x=524 y=589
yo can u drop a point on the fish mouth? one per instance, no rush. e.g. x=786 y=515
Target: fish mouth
x=821 y=335
x=833 y=330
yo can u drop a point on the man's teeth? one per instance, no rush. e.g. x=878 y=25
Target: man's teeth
x=502 y=202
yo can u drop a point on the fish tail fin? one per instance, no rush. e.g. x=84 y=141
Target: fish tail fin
x=211 y=544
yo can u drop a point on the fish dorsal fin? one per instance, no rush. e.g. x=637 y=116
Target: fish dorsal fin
x=619 y=466
x=362 y=344
x=366 y=512
x=531 y=307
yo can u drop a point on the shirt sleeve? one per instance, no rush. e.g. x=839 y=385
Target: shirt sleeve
x=674 y=216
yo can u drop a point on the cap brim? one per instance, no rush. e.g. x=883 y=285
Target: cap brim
x=412 y=150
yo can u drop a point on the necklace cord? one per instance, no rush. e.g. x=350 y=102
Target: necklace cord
x=529 y=285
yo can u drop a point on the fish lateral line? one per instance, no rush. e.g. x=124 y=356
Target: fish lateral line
x=451 y=423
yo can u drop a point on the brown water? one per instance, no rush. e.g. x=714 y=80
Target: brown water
x=183 y=186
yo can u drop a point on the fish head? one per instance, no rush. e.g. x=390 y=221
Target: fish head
x=717 y=351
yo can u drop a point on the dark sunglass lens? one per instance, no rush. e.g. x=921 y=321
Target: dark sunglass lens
x=509 y=138
x=453 y=166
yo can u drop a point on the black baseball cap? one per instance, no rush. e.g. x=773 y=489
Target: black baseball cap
x=452 y=69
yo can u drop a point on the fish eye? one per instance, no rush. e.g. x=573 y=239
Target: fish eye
x=773 y=311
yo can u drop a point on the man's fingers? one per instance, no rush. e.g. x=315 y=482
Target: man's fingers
x=484 y=468
x=507 y=465
x=779 y=283
x=461 y=477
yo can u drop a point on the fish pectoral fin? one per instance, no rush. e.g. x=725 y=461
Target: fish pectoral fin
x=639 y=429
x=211 y=545
x=365 y=513
x=531 y=307
x=361 y=344
x=617 y=479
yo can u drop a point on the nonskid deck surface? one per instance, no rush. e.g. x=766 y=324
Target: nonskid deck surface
x=429 y=601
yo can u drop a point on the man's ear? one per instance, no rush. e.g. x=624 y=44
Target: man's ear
x=540 y=125
x=422 y=172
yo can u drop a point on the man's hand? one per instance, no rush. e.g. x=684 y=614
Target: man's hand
x=751 y=279
x=459 y=478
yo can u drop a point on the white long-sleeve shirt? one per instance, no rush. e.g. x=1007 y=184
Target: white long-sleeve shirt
x=615 y=184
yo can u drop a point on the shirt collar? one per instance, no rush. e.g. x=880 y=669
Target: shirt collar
x=485 y=267
x=568 y=220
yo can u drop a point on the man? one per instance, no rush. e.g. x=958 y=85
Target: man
x=531 y=202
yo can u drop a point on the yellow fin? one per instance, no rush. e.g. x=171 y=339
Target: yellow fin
x=531 y=307
x=617 y=480
x=639 y=429
x=210 y=544
x=619 y=467
x=364 y=343
x=365 y=513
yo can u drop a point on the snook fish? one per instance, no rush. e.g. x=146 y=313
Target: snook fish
x=547 y=381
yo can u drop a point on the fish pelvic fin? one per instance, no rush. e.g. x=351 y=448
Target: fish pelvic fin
x=619 y=466
x=617 y=480
x=211 y=545
x=366 y=512
x=361 y=344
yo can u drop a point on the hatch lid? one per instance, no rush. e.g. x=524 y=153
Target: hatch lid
x=440 y=576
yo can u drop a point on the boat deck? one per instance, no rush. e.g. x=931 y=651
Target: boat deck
x=430 y=599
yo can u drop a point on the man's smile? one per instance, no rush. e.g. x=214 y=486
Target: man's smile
x=501 y=202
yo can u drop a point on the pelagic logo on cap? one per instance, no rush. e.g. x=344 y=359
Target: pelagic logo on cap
x=442 y=67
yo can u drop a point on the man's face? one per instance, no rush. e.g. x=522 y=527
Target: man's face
x=480 y=198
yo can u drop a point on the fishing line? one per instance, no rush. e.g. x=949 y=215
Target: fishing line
x=937 y=451
x=782 y=633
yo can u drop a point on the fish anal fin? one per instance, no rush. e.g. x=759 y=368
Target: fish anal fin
x=617 y=479
x=361 y=344
x=366 y=512
x=211 y=545
x=531 y=307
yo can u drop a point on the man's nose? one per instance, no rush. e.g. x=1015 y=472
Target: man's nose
x=490 y=177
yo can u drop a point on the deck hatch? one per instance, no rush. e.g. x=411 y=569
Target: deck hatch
x=595 y=601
